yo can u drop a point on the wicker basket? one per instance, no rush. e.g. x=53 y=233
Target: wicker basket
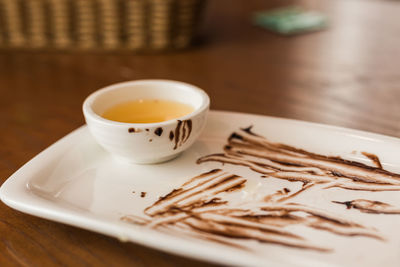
x=99 y=24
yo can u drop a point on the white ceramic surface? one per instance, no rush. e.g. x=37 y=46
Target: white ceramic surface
x=74 y=180
x=146 y=142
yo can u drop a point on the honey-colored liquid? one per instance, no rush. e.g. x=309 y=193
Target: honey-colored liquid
x=147 y=111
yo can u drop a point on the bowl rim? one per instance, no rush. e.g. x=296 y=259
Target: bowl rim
x=89 y=112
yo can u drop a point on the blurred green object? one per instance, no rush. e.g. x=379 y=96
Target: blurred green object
x=290 y=20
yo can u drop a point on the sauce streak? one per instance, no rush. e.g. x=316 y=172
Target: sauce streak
x=201 y=207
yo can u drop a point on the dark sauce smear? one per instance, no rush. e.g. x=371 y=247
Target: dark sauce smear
x=281 y=161
x=182 y=132
x=374 y=159
x=134 y=130
x=370 y=206
x=158 y=131
x=201 y=207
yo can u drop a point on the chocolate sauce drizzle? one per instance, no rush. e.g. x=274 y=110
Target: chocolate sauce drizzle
x=370 y=206
x=182 y=132
x=158 y=131
x=134 y=130
x=374 y=159
x=201 y=207
x=281 y=161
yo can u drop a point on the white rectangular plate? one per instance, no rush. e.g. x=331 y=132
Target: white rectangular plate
x=283 y=193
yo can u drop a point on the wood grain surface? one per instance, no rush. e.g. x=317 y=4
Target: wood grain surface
x=347 y=75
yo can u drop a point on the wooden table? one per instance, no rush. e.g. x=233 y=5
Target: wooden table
x=348 y=75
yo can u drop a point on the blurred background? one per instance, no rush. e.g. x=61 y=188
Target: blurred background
x=61 y=50
x=134 y=25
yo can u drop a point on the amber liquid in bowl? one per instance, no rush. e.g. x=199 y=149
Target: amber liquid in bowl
x=147 y=111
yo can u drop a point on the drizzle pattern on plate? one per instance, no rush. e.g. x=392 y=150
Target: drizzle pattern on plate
x=202 y=206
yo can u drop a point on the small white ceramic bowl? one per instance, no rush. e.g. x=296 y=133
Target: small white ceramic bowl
x=146 y=142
